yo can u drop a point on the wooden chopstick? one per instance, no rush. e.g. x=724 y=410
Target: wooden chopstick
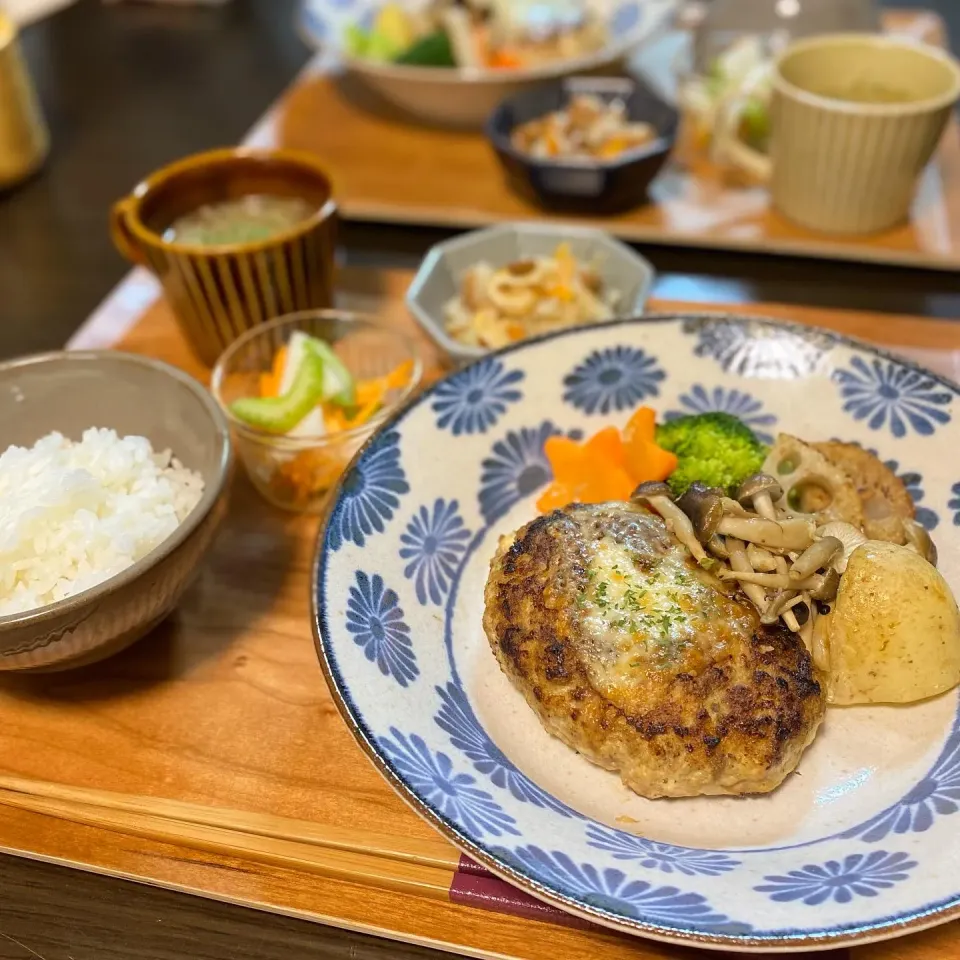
x=424 y=867
x=434 y=851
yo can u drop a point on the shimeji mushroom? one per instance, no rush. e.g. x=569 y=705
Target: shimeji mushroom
x=775 y=581
x=734 y=509
x=760 y=491
x=761 y=559
x=718 y=547
x=740 y=564
x=782 y=601
x=918 y=539
x=658 y=496
x=850 y=536
x=703 y=506
x=791 y=533
x=818 y=555
x=787 y=567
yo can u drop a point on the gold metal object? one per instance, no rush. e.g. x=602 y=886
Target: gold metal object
x=24 y=139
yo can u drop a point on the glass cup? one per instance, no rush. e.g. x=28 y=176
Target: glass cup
x=298 y=473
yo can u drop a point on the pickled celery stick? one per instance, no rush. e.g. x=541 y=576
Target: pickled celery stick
x=281 y=414
x=313 y=423
x=338 y=384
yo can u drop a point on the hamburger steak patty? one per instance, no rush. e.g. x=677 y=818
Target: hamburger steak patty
x=630 y=654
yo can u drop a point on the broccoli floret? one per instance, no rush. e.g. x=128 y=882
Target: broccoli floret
x=715 y=448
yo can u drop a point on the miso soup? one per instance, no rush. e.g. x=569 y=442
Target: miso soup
x=255 y=217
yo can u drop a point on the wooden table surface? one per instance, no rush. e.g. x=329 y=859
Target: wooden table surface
x=126 y=88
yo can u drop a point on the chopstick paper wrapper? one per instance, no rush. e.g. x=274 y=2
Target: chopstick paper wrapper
x=426 y=867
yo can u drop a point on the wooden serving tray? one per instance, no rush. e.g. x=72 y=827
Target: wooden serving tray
x=224 y=707
x=388 y=168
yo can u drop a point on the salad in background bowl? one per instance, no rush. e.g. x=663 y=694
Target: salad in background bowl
x=451 y=63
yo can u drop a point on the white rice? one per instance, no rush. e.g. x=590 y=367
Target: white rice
x=74 y=514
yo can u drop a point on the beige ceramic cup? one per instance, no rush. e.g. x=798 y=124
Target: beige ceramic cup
x=24 y=140
x=847 y=166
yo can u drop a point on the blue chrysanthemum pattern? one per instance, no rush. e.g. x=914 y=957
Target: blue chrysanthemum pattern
x=375 y=620
x=739 y=403
x=954 y=503
x=516 y=468
x=660 y=856
x=612 y=889
x=473 y=400
x=369 y=495
x=457 y=719
x=758 y=349
x=616 y=378
x=891 y=396
x=432 y=545
x=937 y=794
x=453 y=795
x=840 y=881
x=913 y=481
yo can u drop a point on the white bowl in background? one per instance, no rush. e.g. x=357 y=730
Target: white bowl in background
x=466 y=97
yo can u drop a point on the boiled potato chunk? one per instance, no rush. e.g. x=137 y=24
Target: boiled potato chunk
x=894 y=633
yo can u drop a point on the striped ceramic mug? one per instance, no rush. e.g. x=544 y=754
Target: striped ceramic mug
x=855 y=118
x=220 y=291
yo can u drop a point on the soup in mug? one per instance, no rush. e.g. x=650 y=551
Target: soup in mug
x=249 y=219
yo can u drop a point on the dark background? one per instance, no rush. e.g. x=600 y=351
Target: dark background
x=128 y=87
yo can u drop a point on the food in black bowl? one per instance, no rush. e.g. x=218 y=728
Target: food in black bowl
x=584 y=145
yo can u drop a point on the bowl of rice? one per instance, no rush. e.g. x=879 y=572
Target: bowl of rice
x=113 y=482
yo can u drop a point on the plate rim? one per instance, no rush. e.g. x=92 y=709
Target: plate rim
x=885 y=929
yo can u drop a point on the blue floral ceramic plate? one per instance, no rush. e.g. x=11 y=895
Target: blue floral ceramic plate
x=860 y=845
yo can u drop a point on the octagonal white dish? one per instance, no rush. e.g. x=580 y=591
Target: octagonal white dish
x=859 y=845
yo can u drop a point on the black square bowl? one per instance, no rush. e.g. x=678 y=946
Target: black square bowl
x=584 y=186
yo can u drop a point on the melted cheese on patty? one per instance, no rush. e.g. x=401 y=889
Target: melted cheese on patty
x=641 y=611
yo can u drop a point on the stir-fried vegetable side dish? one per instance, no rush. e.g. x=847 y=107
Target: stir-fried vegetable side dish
x=821 y=536
x=498 y=306
x=588 y=128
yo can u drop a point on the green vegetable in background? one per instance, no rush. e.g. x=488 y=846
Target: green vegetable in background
x=380 y=47
x=715 y=448
x=356 y=40
x=390 y=35
x=433 y=50
x=755 y=125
